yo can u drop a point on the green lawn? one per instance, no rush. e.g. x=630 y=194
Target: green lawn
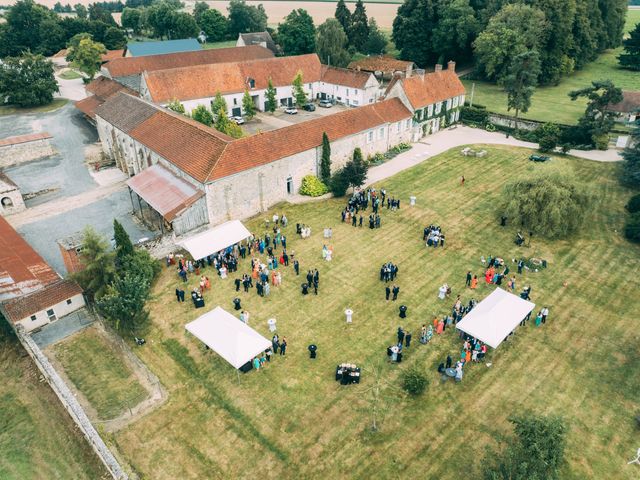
x=70 y=75
x=13 y=110
x=38 y=439
x=99 y=371
x=294 y=419
x=224 y=44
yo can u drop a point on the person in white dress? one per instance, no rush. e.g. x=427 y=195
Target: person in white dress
x=442 y=292
x=223 y=272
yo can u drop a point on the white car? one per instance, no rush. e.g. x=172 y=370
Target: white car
x=239 y=120
x=291 y=110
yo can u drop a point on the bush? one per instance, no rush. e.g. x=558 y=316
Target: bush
x=339 y=183
x=632 y=227
x=312 y=186
x=548 y=137
x=548 y=204
x=414 y=381
x=377 y=159
x=474 y=115
x=601 y=141
x=634 y=204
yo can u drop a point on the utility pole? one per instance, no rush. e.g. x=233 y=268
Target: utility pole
x=473 y=89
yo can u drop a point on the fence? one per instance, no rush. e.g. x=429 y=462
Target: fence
x=71 y=405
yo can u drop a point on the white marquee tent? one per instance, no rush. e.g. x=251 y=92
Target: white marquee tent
x=230 y=338
x=495 y=317
x=215 y=239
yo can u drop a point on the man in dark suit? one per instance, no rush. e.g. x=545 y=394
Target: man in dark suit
x=400 y=335
x=396 y=291
x=468 y=278
x=296 y=267
x=387 y=292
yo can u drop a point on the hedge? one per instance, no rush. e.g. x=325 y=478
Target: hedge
x=312 y=186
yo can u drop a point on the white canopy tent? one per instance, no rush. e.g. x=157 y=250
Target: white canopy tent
x=215 y=239
x=230 y=338
x=495 y=317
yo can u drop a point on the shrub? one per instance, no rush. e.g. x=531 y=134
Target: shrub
x=634 y=204
x=548 y=137
x=312 y=186
x=474 y=115
x=601 y=141
x=548 y=204
x=414 y=381
x=632 y=227
x=339 y=183
x=377 y=159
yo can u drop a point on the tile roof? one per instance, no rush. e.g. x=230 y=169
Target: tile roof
x=203 y=81
x=112 y=55
x=139 y=49
x=126 y=66
x=118 y=112
x=101 y=88
x=22 y=270
x=30 y=137
x=380 y=63
x=423 y=90
x=167 y=194
x=345 y=77
x=22 y=307
x=630 y=103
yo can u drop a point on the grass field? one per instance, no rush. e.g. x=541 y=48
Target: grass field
x=70 y=75
x=552 y=103
x=13 y=110
x=38 y=439
x=100 y=373
x=293 y=420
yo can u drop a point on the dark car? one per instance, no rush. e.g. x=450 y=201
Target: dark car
x=309 y=107
x=539 y=158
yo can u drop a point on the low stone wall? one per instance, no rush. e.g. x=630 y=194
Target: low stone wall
x=71 y=405
x=25 y=152
x=507 y=121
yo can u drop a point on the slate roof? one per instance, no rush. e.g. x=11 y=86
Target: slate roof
x=345 y=77
x=139 y=49
x=630 y=103
x=424 y=90
x=256 y=38
x=118 y=111
x=22 y=307
x=206 y=80
x=126 y=66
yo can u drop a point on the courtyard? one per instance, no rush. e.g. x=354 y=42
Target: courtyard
x=293 y=418
x=264 y=122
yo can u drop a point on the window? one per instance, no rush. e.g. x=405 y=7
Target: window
x=52 y=315
x=6 y=202
x=430 y=110
x=381 y=133
x=438 y=107
x=68 y=301
x=354 y=102
x=455 y=102
x=289 y=185
x=448 y=104
x=398 y=127
x=33 y=318
x=370 y=137
x=235 y=101
x=408 y=124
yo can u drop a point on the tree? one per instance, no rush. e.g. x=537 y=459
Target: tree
x=630 y=59
x=124 y=302
x=548 y=137
x=536 y=452
x=455 y=31
x=161 y=18
x=339 y=183
x=331 y=44
x=131 y=19
x=176 y=106
x=297 y=34
x=359 y=30
x=343 y=15
x=87 y=57
x=203 y=115
x=514 y=30
x=355 y=171
x=630 y=166
x=413 y=30
x=298 y=90
x=124 y=247
x=414 y=381
x=198 y=9
x=27 y=81
x=549 y=204
x=271 y=100
x=81 y=10
x=325 y=160
x=376 y=43
x=244 y=18
x=248 y=107
x=213 y=24
x=58 y=8
x=53 y=36
x=23 y=21
x=632 y=227
x=114 y=39
x=226 y=126
x=98 y=269
x=597 y=121
x=184 y=26
x=98 y=13
x=219 y=103
x=520 y=82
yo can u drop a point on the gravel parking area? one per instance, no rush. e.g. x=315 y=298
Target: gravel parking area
x=263 y=122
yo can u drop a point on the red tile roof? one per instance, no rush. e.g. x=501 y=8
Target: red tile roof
x=423 y=90
x=23 y=307
x=345 y=77
x=630 y=103
x=112 y=55
x=203 y=81
x=22 y=270
x=101 y=88
x=31 y=137
x=122 y=67
x=380 y=63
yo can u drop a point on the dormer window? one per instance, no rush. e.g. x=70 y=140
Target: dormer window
x=251 y=82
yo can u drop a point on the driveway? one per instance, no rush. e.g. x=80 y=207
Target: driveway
x=264 y=122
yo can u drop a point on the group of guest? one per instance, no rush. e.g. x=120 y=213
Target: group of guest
x=313 y=281
x=327 y=253
x=347 y=373
x=260 y=361
x=279 y=345
x=433 y=236
x=388 y=272
x=303 y=230
x=359 y=202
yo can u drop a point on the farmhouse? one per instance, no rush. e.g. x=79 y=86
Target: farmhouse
x=31 y=292
x=258 y=38
x=627 y=110
x=100 y=89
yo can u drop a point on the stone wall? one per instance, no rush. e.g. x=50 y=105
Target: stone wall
x=72 y=406
x=25 y=152
x=508 y=121
x=11 y=201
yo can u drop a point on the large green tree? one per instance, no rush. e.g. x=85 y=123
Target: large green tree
x=331 y=44
x=298 y=90
x=245 y=18
x=81 y=10
x=325 y=160
x=27 y=81
x=98 y=267
x=203 y=115
x=114 y=39
x=248 y=107
x=630 y=59
x=124 y=302
x=597 y=121
x=213 y=24
x=630 y=166
x=161 y=18
x=355 y=170
x=343 y=15
x=124 y=247
x=198 y=9
x=226 y=126
x=413 y=30
x=87 y=56
x=131 y=19
x=23 y=28
x=271 y=102
x=613 y=17
x=219 y=103
x=520 y=82
x=376 y=43
x=359 y=29
x=184 y=26
x=297 y=34
x=455 y=31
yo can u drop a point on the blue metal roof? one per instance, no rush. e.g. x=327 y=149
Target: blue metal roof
x=141 y=49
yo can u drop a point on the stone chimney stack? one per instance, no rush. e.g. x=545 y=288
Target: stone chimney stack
x=451 y=66
x=438 y=67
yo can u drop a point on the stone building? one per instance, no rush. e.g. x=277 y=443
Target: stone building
x=70 y=248
x=10 y=197
x=24 y=148
x=258 y=38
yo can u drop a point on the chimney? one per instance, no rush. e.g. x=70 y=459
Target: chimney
x=451 y=66
x=419 y=72
x=438 y=67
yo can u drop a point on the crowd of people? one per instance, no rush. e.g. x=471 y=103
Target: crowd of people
x=388 y=272
x=433 y=236
x=359 y=202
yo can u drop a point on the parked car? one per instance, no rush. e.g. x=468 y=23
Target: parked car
x=325 y=104
x=239 y=120
x=539 y=158
x=309 y=107
x=291 y=110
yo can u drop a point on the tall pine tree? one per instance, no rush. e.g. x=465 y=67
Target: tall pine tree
x=343 y=15
x=325 y=161
x=520 y=82
x=630 y=59
x=124 y=247
x=359 y=31
x=271 y=101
